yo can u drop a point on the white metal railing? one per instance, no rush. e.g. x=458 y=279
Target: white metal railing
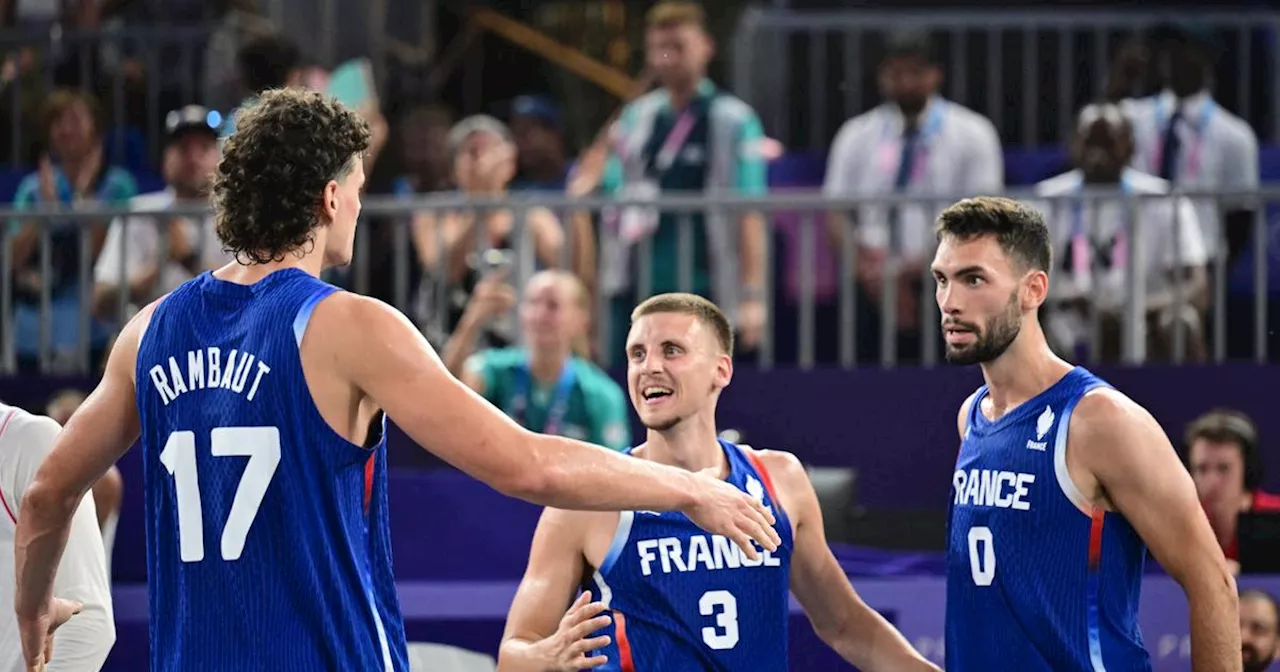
x=808 y=273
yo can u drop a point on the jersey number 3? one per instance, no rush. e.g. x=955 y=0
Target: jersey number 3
x=724 y=606
x=982 y=556
x=260 y=444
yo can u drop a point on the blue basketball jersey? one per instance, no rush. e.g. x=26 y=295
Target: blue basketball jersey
x=268 y=544
x=1037 y=578
x=683 y=600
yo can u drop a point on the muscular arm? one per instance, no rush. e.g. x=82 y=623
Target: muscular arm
x=1121 y=445
x=857 y=632
x=377 y=349
x=556 y=566
x=99 y=432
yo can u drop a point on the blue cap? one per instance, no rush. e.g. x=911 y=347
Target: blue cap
x=539 y=107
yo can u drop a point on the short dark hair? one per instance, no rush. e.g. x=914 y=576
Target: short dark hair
x=1018 y=227
x=910 y=44
x=285 y=149
x=265 y=62
x=689 y=304
x=670 y=13
x=1223 y=425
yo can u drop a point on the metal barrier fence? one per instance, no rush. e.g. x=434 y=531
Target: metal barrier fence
x=1028 y=71
x=138 y=74
x=807 y=270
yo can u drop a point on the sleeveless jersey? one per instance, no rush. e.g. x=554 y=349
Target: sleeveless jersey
x=1037 y=578
x=268 y=544
x=683 y=600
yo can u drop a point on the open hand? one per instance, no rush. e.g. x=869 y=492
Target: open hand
x=567 y=649
x=725 y=510
x=37 y=633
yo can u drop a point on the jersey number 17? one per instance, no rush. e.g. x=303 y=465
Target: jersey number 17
x=260 y=444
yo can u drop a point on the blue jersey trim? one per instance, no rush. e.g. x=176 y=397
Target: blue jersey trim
x=620 y=536
x=304 y=313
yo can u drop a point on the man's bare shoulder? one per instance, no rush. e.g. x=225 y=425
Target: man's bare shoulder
x=784 y=469
x=351 y=318
x=584 y=534
x=1106 y=422
x=124 y=352
x=963 y=417
x=1106 y=410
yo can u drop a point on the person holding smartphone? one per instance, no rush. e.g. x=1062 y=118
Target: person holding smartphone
x=459 y=249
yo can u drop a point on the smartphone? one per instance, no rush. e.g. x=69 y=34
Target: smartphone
x=497 y=262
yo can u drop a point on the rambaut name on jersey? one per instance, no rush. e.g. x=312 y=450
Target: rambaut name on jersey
x=206 y=370
x=988 y=487
x=669 y=554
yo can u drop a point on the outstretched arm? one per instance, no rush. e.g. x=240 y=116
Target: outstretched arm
x=1123 y=447
x=99 y=432
x=857 y=632
x=540 y=635
x=386 y=357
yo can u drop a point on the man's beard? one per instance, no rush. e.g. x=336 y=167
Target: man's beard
x=993 y=340
x=1253 y=660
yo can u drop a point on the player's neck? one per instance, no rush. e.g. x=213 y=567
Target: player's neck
x=1025 y=370
x=691 y=445
x=545 y=364
x=248 y=274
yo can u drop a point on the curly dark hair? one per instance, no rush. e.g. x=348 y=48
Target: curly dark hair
x=286 y=147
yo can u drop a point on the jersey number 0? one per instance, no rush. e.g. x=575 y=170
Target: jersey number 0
x=260 y=444
x=982 y=555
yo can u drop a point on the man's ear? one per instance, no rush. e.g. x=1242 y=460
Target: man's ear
x=329 y=202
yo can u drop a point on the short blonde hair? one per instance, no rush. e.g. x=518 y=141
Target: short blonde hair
x=670 y=13
x=689 y=304
x=581 y=298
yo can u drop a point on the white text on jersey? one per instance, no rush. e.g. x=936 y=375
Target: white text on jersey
x=205 y=371
x=703 y=553
x=988 y=487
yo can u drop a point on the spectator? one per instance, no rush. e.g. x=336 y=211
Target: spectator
x=1183 y=135
x=108 y=492
x=424 y=151
x=1226 y=465
x=72 y=173
x=1090 y=244
x=271 y=61
x=538 y=127
x=1259 y=630
x=544 y=386
x=688 y=136
x=454 y=247
x=918 y=143
x=133 y=245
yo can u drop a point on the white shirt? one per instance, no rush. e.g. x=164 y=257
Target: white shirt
x=959 y=156
x=1216 y=150
x=141 y=238
x=1159 y=250
x=83 y=642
